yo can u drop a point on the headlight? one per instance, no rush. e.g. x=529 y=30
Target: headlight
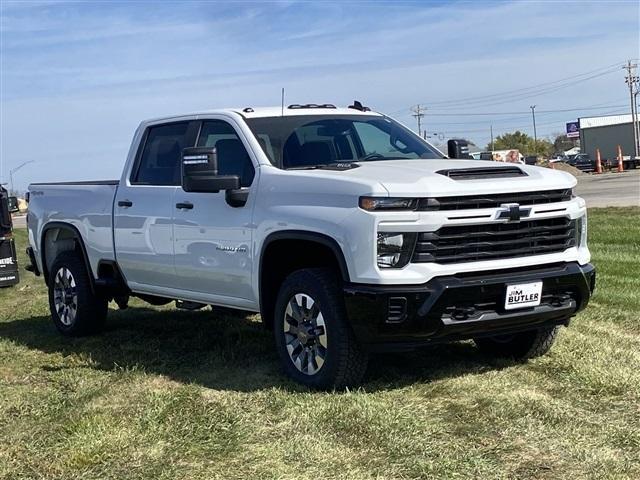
x=395 y=249
x=581 y=231
x=386 y=203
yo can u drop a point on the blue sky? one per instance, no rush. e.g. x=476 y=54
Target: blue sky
x=77 y=78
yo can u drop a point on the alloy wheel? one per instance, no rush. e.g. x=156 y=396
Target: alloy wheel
x=305 y=334
x=65 y=296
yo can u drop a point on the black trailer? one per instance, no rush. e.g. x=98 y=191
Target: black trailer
x=8 y=259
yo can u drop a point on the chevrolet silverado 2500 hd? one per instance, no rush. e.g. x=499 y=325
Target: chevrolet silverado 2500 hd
x=345 y=230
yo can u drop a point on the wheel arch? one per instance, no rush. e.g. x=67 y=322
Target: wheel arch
x=293 y=250
x=58 y=237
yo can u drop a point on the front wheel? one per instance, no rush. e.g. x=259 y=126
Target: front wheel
x=314 y=340
x=75 y=308
x=521 y=346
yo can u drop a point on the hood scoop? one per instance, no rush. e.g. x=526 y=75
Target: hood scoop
x=482 y=173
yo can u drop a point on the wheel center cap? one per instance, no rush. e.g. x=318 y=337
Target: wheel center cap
x=305 y=334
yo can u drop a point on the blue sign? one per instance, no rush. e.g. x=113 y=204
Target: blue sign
x=573 y=129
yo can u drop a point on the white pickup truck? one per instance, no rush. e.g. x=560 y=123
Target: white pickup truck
x=345 y=230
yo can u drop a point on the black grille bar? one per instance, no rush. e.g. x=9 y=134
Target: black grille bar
x=471 y=243
x=494 y=200
x=482 y=173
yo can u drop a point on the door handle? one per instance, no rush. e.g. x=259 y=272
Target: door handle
x=125 y=203
x=184 y=205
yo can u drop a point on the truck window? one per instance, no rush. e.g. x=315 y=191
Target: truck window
x=160 y=160
x=233 y=158
x=300 y=141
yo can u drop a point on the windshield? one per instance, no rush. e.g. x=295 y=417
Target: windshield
x=308 y=141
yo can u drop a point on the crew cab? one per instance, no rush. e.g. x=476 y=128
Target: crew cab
x=347 y=232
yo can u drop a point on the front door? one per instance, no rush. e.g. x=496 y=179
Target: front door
x=143 y=210
x=213 y=254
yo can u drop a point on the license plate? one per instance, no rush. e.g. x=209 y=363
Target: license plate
x=523 y=295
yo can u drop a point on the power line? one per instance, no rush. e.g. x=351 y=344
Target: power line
x=466 y=114
x=520 y=93
x=527 y=90
x=511 y=127
x=515 y=97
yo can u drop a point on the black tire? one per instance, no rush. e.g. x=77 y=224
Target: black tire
x=344 y=362
x=90 y=310
x=520 y=346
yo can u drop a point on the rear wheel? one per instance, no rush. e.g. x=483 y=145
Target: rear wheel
x=520 y=346
x=314 y=340
x=75 y=308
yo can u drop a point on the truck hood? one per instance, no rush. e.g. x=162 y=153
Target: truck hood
x=420 y=178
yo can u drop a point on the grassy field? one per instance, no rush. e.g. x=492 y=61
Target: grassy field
x=172 y=394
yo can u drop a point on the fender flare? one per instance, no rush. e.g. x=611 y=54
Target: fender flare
x=316 y=237
x=79 y=240
x=305 y=235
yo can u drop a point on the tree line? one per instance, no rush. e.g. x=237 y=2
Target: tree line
x=528 y=146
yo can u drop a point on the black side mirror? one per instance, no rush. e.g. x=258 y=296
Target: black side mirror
x=200 y=172
x=457 y=148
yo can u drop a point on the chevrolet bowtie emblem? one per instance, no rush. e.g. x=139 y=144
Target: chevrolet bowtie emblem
x=512 y=212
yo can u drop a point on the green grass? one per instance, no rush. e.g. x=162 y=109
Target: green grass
x=172 y=394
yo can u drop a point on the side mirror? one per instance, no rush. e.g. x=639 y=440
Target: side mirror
x=458 y=149
x=200 y=172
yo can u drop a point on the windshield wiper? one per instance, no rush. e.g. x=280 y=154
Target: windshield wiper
x=376 y=157
x=347 y=165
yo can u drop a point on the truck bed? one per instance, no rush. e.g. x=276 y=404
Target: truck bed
x=86 y=205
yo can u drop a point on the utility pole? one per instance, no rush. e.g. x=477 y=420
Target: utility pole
x=632 y=80
x=491 y=128
x=11 y=172
x=535 y=134
x=418 y=113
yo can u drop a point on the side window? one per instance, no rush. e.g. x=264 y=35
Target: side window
x=233 y=158
x=160 y=160
x=376 y=141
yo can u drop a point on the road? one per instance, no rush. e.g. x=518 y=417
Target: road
x=19 y=221
x=610 y=189
x=606 y=190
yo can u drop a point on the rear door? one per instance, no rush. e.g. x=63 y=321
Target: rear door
x=213 y=253
x=143 y=209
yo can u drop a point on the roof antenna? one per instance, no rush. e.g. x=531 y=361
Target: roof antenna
x=282 y=104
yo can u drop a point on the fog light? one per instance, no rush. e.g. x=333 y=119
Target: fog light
x=395 y=249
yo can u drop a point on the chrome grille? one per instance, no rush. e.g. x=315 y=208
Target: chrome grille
x=492 y=241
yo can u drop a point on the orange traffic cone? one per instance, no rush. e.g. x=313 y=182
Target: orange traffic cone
x=598 y=161
x=620 y=164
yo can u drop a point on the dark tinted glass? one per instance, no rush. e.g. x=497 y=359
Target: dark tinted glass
x=233 y=158
x=160 y=162
x=303 y=141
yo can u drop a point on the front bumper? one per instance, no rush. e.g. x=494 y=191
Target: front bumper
x=468 y=305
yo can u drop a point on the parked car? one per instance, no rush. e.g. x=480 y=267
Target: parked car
x=582 y=161
x=346 y=231
x=507 y=156
x=559 y=159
